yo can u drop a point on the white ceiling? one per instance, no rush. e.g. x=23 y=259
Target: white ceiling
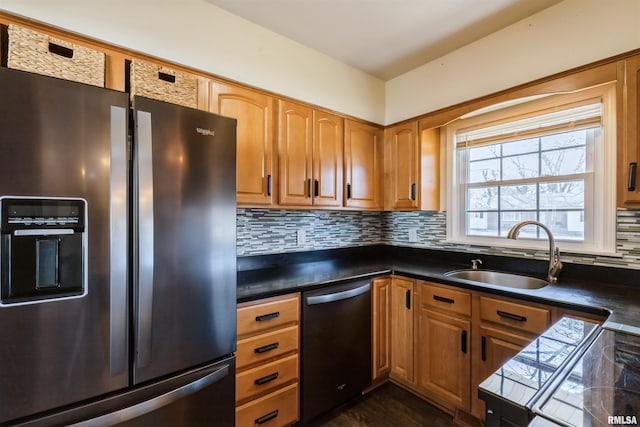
x=384 y=38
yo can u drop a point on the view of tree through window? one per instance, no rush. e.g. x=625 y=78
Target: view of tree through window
x=540 y=178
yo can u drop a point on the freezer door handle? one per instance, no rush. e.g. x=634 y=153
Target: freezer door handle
x=145 y=243
x=157 y=402
x=118 y=248
x=337 y=296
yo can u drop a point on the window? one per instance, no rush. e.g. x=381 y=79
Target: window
x=544 y=160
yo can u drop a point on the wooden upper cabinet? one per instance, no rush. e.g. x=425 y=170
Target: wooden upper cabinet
x=402 y=167
x=310 y=150
x=256 y=183
x=328 y=163
x=363 y=152
x=430 y=169
x=295 y=148
x=628 y=123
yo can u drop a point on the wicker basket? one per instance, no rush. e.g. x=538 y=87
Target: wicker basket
x=39 y=53
x=165 y=84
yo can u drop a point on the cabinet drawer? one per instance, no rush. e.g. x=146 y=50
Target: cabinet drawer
x=270 y=314
x=531 y=319
x=279 y=408
x=265 y=378
x=266 y=346
x=449 y=300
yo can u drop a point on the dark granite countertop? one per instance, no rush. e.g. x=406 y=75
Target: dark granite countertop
x=592 y=289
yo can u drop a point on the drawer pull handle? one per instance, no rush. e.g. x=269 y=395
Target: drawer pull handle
x=463 y=342
x=166 y=77
x=316 y=188
x=309 y=191
x=413 y=191
x=443 y=299
x=267 y=378
x=348 y=191
x=263 y=419
x=269 y=316
x=269 y=185
x=511 y=316
x=407 y=301
x=267 y=347
x=63 y=51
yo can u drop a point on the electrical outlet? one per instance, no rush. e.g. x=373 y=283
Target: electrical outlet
x=413 y=235
x=301 y=236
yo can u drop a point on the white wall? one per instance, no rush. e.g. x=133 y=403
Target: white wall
x=202 y=36
x=567 y=35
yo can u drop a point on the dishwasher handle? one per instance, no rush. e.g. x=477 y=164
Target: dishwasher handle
x=337 y=296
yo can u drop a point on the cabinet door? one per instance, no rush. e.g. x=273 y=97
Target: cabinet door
x=381 y=302
x=444 y=356
x=498 y=346
x=295 y=147
x=403 y=169
x=363 y=165
x=629 y=160
x=328 y=164
x=402 y=302
x=255 y=140
x=430 y=169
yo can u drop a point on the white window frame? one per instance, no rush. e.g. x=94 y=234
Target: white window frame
x=602 y=202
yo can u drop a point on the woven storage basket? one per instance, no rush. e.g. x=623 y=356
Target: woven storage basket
x=39 y=53
x=165 y=84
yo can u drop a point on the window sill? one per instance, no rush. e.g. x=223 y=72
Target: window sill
x=509 y=247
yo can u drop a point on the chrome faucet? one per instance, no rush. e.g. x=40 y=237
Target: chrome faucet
x=475 y=262
x=555 y=266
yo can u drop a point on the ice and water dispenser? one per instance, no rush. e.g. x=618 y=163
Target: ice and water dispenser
x=43 y=250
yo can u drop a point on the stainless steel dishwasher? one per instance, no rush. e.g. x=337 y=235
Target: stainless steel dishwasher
x=336 y=346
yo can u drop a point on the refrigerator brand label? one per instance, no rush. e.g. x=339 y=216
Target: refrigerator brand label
x=205 y=132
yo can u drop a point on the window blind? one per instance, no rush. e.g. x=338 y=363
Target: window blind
x=572 y=117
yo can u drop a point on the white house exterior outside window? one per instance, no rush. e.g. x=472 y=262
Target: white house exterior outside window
x=551 y=160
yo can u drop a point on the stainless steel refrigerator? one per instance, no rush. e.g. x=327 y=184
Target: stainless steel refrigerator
x=117 y=258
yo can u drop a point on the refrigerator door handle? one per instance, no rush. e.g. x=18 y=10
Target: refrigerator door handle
x=118 y=249
x=157 y=402
x=145 y=238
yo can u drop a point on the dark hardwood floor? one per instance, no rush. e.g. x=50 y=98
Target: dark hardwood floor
x=386 y=406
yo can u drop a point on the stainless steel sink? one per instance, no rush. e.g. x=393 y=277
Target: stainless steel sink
x=498 y=278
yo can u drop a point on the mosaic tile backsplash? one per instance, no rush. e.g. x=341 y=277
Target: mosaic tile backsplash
x=268 y=231
x=271 y=231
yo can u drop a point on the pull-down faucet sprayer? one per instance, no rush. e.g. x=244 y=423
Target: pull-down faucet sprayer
x=555 y=265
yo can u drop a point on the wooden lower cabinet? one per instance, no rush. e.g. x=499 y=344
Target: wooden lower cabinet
x=444 y=358
x=267 y=361
x=381 y=343
x=280 y=408
x=402 y=327
x=444 y=345
x=504 y=327
x=498 y=346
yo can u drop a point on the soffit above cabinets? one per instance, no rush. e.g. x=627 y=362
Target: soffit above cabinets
x=384 y=38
